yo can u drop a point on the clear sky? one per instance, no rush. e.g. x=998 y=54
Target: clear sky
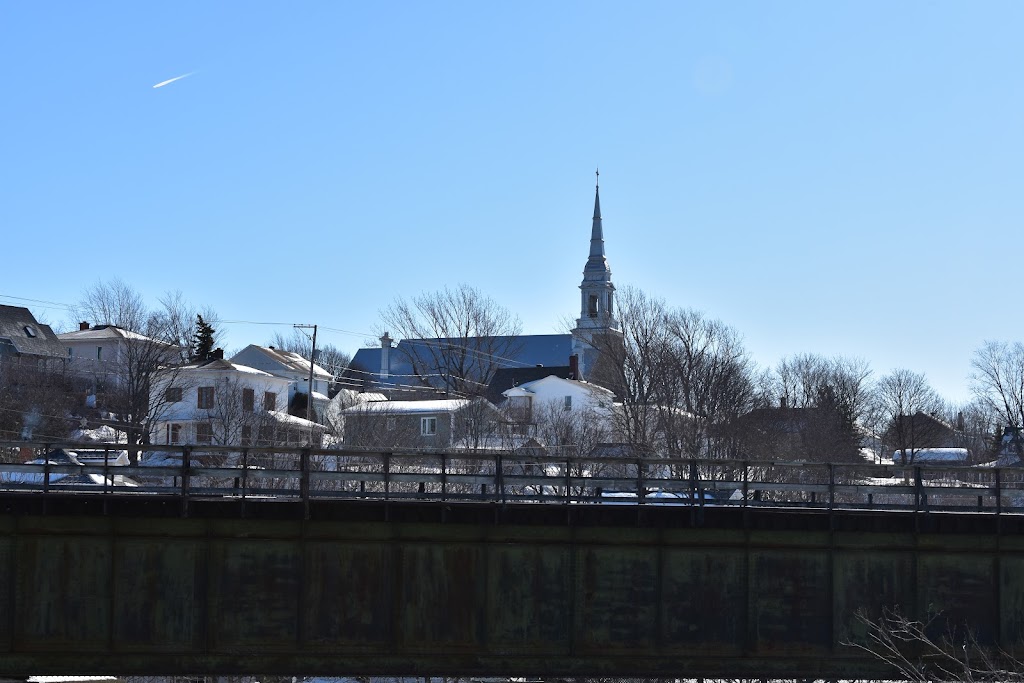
x=829 y=177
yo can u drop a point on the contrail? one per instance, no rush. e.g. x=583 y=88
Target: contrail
x=171 y=80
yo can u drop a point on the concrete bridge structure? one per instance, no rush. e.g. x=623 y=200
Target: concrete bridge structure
x=140 y=584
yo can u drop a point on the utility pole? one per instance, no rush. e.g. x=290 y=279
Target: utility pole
x=309 y=388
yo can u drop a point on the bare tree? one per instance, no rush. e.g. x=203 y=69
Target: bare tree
x=454 y=338
x=177 y=318
x=114 y=302
x=997 y=380
x=153 y=341
x=708 y=382
x=903 y=404
x=820 y=402
x=36 y=401
x=572 y=433
x=678 y=374
x=635 y=364
x=917 y=655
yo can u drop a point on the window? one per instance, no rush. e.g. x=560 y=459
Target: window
x=266 y=435
x=269 y=400
x=204 y=432
x=592 y=306
x=248 y=400
x=71 y=353
x=246 y=435
x=173 y=433
x=204 y=398
x=568 y=403
x=30 y=331
x=99 y=353
x=428 y=426
x=172 y=394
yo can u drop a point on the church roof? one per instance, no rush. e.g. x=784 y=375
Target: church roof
x=527 y=351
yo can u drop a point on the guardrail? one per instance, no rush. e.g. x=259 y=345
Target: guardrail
x=307 y=474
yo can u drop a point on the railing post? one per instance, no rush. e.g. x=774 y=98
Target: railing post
x=694 y=492
x=831 y=486
x=639 y=480
x=108 y=485
x=568 y=465
x=918 y=490
x=304 y=479
x=245 y=472
x=746 y=481
x=444 y=476
x=499 y=477
x=999 y=492
x=186 y=474
x=387 y=476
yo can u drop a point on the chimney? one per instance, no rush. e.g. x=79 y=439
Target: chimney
x=574 y=366
x=385 y=355
x=782 y=402
x=82 y=326
x=217 y=354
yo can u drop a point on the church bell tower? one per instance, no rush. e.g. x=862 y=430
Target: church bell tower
x=596 y=325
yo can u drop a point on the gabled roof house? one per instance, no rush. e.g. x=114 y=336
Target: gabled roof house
x=24 y=337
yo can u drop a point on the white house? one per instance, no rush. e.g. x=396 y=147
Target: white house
x=220 y=402
x=107 y=354
x=555 y=393
x=295 y=369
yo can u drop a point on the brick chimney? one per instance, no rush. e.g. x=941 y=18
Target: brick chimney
x=385 y=355
x=217 y=354
x=82 y=326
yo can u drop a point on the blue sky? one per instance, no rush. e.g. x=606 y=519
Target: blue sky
x=828 y=177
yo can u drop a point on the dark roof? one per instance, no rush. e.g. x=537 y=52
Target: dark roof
x=506 y=378
x=20 y=329
x=526 y=351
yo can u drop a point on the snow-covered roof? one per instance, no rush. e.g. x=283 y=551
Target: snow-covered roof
x=105 y=332
x=286 y=359
x=530 y=387
x=936 y=455
x=406 y=407
x=282 y=417
x=221 y=365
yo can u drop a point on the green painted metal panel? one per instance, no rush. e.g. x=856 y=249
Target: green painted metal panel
x=961 y=588
x=159 y=601
x=702 y=589
x=349 y=591
x=64 y=593
x=790 y=601
x=7 y=586
x=617 y=598
x=254 y=594
x=529 y=599
x=870 y=582
x=441 y=599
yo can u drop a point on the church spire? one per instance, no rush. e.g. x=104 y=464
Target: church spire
x=597 y=263
x=597 y=231
x=597 y=297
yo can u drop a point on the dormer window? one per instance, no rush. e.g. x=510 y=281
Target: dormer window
x=30 y=331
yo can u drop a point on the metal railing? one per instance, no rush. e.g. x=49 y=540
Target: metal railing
x=306 y=474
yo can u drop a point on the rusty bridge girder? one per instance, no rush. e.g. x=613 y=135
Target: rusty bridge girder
x=130 y=585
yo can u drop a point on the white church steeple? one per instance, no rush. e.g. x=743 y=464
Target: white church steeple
x=597 y=295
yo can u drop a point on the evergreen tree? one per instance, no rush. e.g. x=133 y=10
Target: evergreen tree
x=202 y=342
